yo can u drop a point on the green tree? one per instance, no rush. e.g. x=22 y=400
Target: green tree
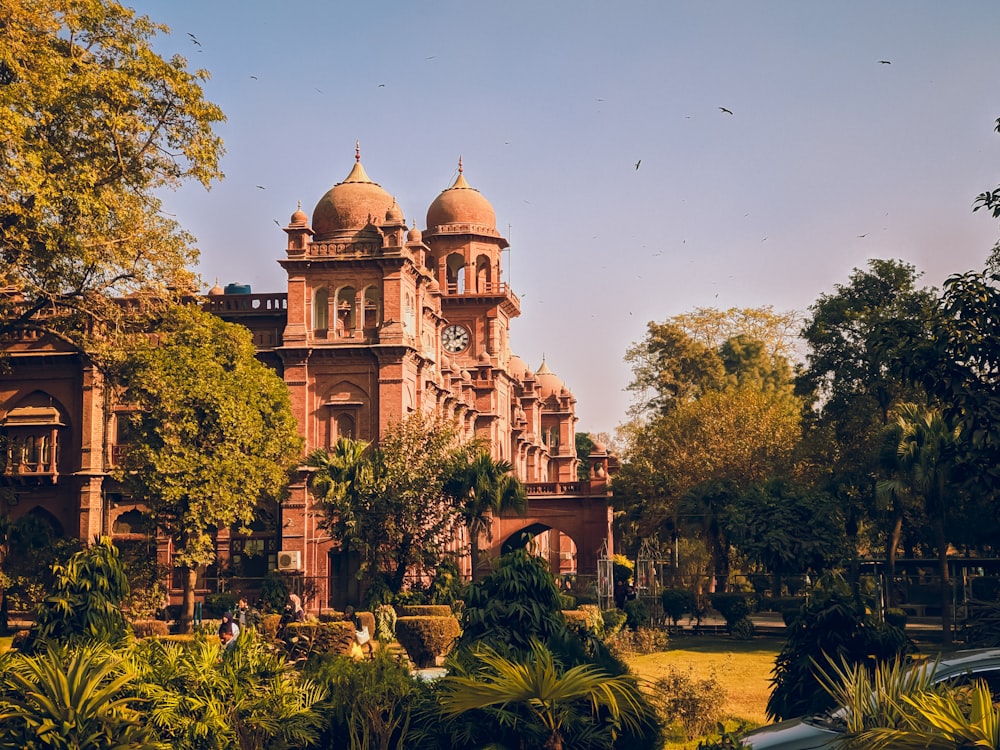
x=484 y=488
x=925 y=456
x=93 y=125
x=71 y=699
x=213 y=435
x=787 y=528
x=852 y=389
x=85 y=601
x=546 y=702
x=388 y=502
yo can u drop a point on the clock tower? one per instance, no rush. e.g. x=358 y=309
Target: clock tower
x=465 y=254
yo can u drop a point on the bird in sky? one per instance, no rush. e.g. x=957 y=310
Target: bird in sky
x=261 y=187
x=254 y=77
x=381 y=85
x=277 y=223
x=194 y=39
x=885 y=62
x=862 y=236
x=727 y=111
x=638 y=163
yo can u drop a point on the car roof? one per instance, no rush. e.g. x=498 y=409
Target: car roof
x=970 y=660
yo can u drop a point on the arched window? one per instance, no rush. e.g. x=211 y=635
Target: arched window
x=456 y=273
x=373 y=307
x=484 y=275
x=346 y=312
x=321 y=309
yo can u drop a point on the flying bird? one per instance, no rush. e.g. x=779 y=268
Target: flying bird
x=261 y=187
x=381 y=85
x=254 y=77
x=638 y=163
x=727 y=111
x=278 y=223
x=885 y=62
x=862 y=236
x=194 y=39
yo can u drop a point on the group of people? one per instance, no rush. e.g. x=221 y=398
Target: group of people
x=232 y=623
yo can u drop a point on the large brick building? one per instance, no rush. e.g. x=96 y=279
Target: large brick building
x=377 y=321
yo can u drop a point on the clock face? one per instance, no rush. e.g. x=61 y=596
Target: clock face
x=455 y=338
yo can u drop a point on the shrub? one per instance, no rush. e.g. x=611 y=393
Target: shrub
x=676 y=602
x=896 y=617
x=427 y=638
x=595 y=620
x=636 y=614
x=273 y=593
x=269 y=626
x=575 y=618
x=639 y=641
x=782 y=604
x=385 y=623
x=742 y=630
x=330 y=615
x=985 y=588
x=614 y=621
x=148 y=628
x=306 y=638
x=695 y=705
x=424 y=610
x=834 y=623
x=370 y=699
x=733 y=606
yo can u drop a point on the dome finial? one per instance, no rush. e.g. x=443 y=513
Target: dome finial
x=357 y=150
x=460 y=170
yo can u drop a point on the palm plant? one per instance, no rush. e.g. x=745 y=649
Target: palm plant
x=925 y=457
x=484 y=488
x=935 y=721
x=870 y=698
x=71 y=699
x=203 y=697
x=539 y=698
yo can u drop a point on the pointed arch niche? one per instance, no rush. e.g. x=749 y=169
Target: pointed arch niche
x=346 y=407
x=321 y=311
x=347 y=312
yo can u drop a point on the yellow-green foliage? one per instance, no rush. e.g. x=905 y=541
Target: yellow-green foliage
x=330 y=615
x=424 y=610
x=269 y=625
x=147 y=628
x=586 y=618
x=426 y=638
x=319 y=637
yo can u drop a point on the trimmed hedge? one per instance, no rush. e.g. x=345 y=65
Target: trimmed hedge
x=150 y=628
x=269 y=626
x=303 y=638
x=425 y=638
x=424 y=610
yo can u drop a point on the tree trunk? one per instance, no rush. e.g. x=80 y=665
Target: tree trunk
x=187 y=602
x=946 y=615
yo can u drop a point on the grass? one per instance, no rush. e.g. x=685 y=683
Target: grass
x=743 y=668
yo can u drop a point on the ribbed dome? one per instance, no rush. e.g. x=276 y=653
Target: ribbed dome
x=350 y=204
x=461 y=204
x=549 y=383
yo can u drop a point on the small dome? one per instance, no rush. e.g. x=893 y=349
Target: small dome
x=466 y=376
x=599 y=447
x=484 y=358
x=395 y=214
x=299 y=218
x=414 y=235
x=350 y=204
x=216 y=290
x=461 y=204
x=549 y=384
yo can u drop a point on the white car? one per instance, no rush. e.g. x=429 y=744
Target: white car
x=827 y=729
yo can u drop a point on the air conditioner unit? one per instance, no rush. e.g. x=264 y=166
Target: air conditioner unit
x=290 y=560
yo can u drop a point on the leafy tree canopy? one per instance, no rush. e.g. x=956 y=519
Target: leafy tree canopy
x=390 y=503
x=212 y=434
x=92 y=124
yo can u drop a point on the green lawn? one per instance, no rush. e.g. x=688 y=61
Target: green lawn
x=742 y=667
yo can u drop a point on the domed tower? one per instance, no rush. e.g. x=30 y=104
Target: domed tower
x=355 y=347
x=558 y=424
x=465 y=251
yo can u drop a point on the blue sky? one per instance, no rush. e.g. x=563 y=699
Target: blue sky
x=829 y=157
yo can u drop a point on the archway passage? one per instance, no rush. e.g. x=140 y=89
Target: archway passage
x=570 y=530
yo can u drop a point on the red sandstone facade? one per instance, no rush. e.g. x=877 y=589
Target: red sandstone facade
x=378 y=321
